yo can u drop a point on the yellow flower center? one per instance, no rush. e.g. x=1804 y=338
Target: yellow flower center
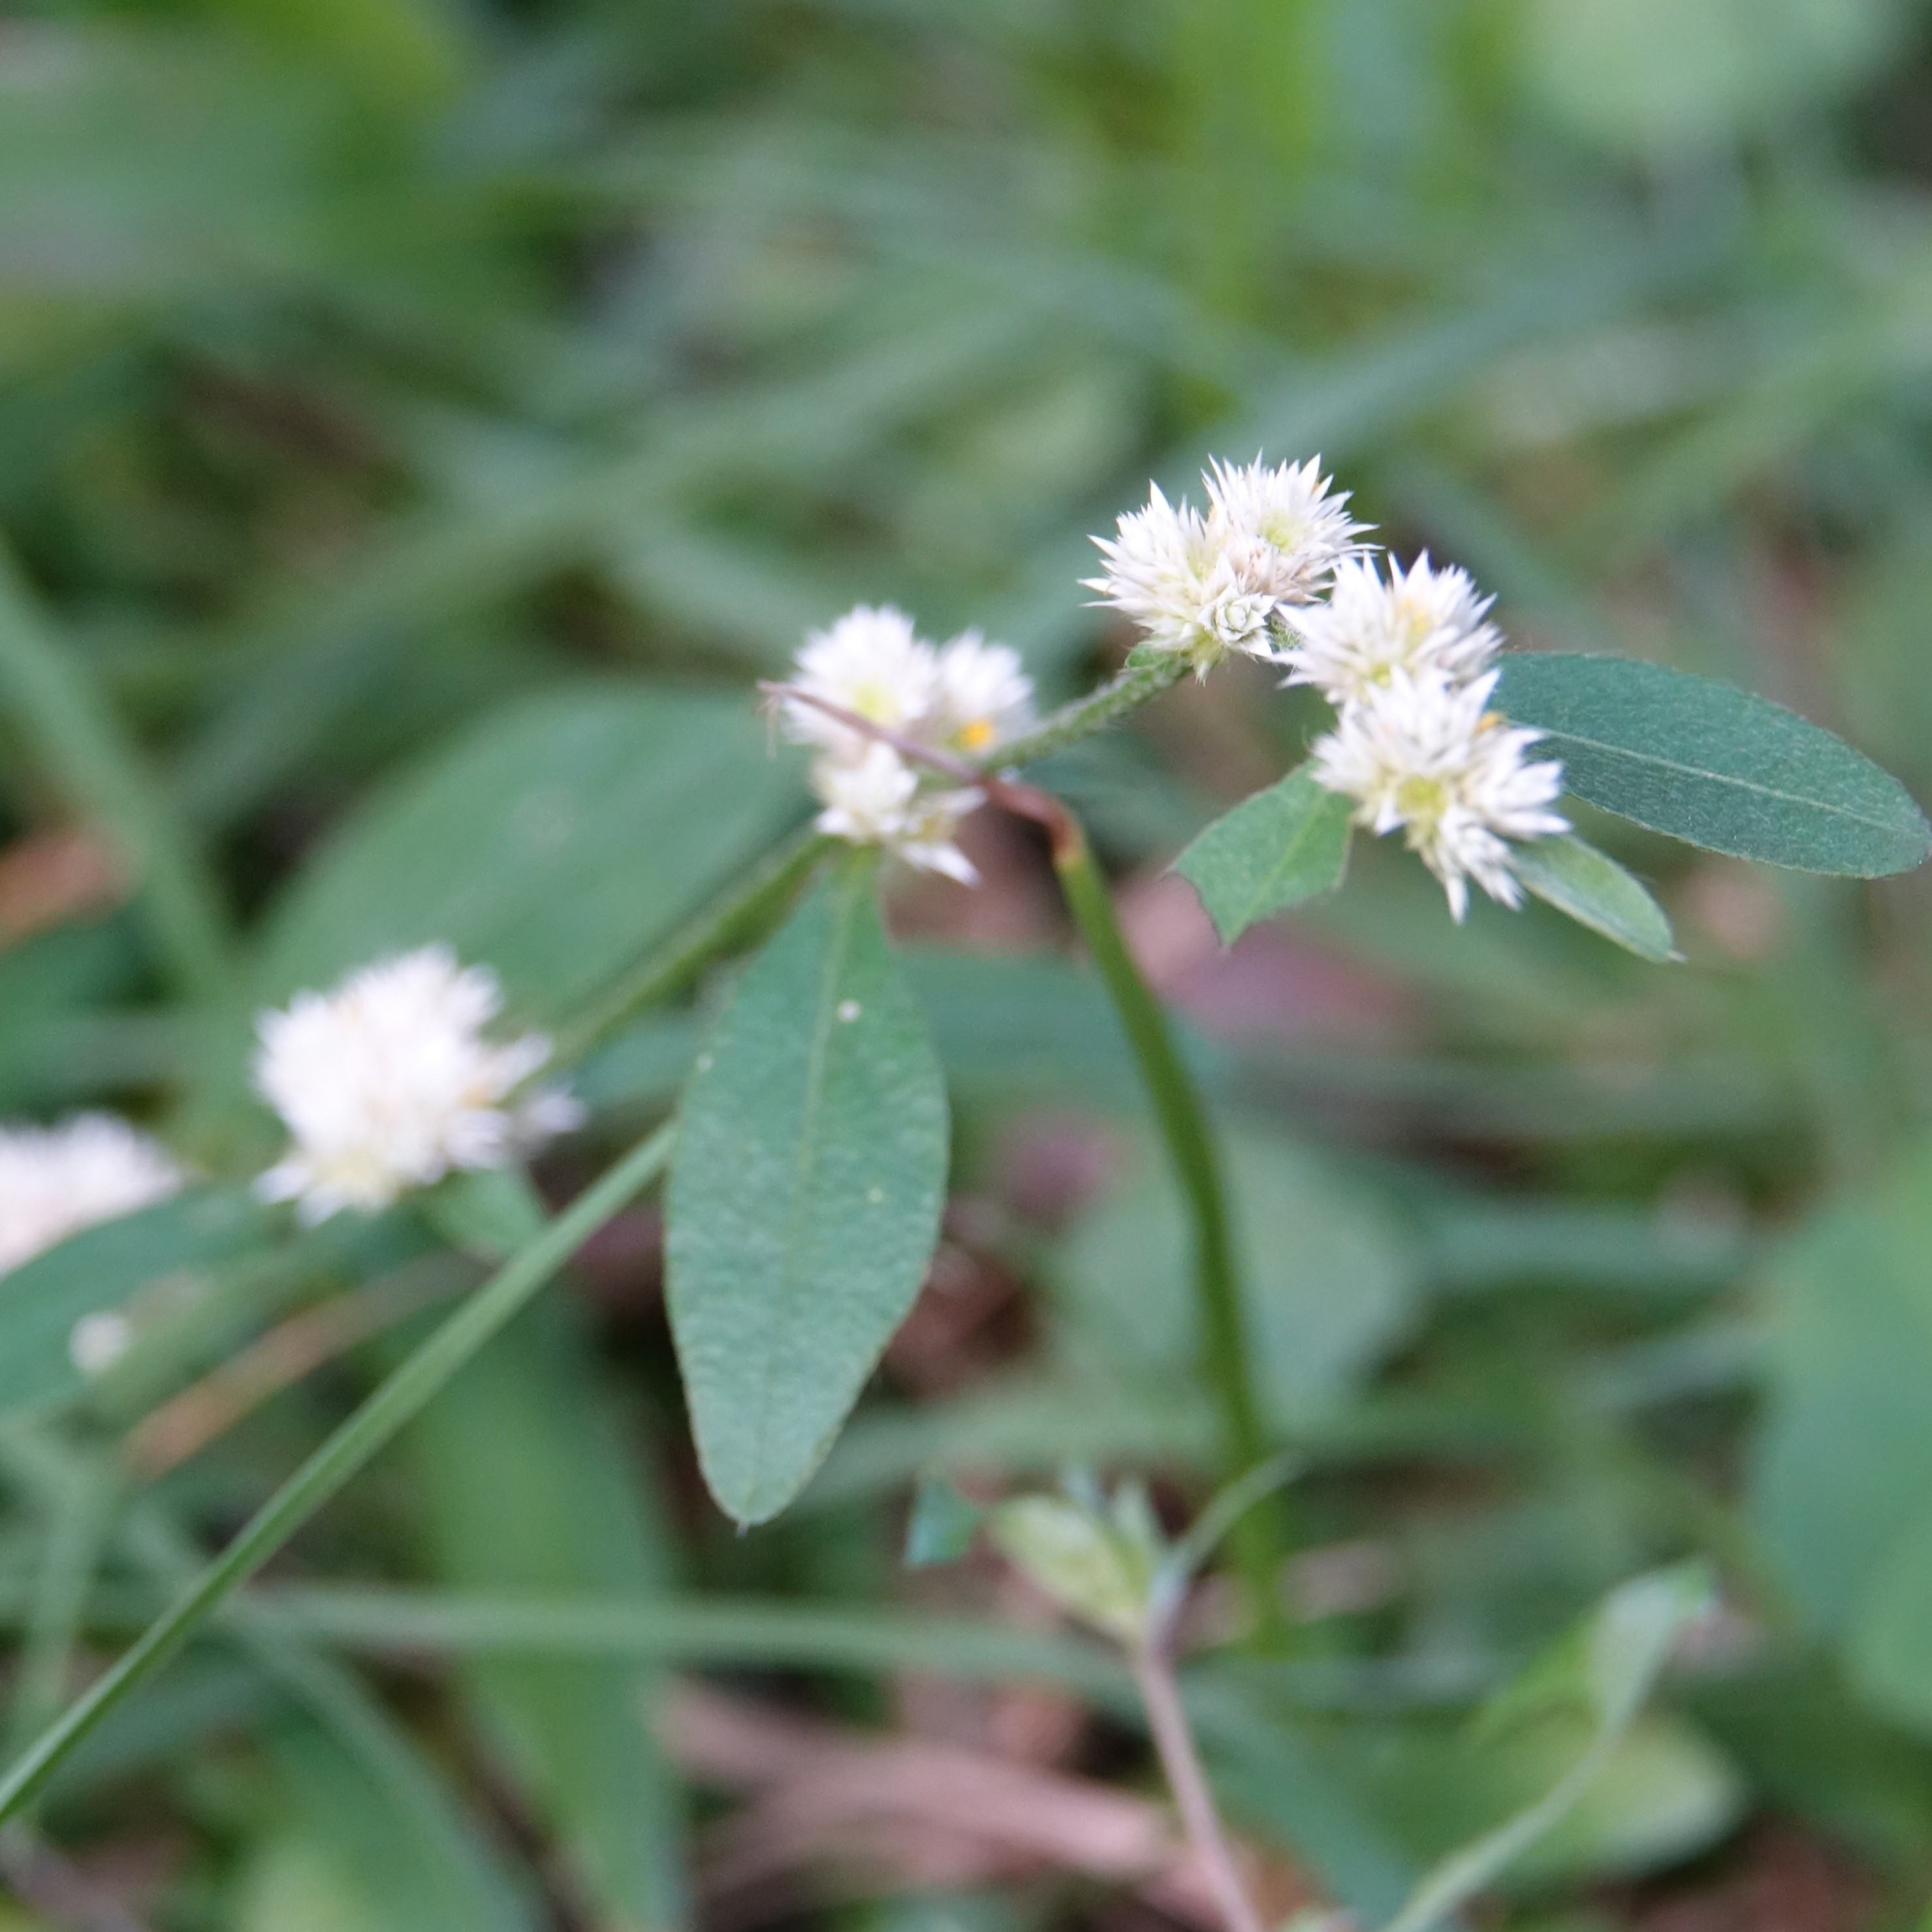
x=1421 y=799
x=976 y=735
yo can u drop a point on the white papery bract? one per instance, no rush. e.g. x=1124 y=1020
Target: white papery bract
x=1422 y=621
x=1284 y=530
x=984 y=696
x=1204 y=585
x=879 y=800
x=55 y=1181
x=870 y=661
x=1427 y=756
x=387 y=1084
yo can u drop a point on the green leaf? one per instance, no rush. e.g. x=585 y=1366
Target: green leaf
x=154 y=1256
x=1713 y=765
x=405 y=1855
x=1092 y=1565
x=559 y=840
x=1604 y=1671
x=526 y=1485
x=1283 y=845
x=1888 y=1649
x=942 y=1526
x=1592 y=888
x=1843 y=1463
x=804 y=1198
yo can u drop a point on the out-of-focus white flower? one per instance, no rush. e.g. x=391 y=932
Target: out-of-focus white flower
x=1206 y=585
x=965 y=700
x=98 y=1341
x=1423 y=621
x=1284 y=530
x=880 y=801
x=869 y=662
x=1428 y=755
x=387 y=1084
x=984 y=696
x=55 y=1181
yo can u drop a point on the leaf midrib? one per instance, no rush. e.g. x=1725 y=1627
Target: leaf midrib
x=815 y=1059
x=1554 y=734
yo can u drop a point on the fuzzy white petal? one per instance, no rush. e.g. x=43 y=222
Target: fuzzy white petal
x=55 y=1181
x=388 y=1084
x=1426 y=755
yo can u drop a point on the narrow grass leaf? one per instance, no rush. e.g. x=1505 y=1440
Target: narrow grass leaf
x=525 y=1484
x=804 y=1198
x=1592 y=888
x=1284 y=845
x=1713 y=765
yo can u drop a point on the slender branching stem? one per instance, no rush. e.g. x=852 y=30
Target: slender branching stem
x=1126 y=691
x=401 y=1397
x=1153 y=1661
x=728 y=922
x=1190 y=1146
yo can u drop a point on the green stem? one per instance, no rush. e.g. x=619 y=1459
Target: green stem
x=1190 y=1146
x=96 y=764
x=726 y=923
x=399 y=1399
x=1126 y=691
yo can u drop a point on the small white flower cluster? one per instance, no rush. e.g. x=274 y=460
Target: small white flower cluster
x=55 y=1181
x=388 y=1083
x=1276 y=568
x=1203 y=585
x=965 y=698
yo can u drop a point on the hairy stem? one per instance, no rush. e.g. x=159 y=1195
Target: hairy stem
x=728 y=923
x=1190 y=1146
x=395 y=1403
x=1126 y=691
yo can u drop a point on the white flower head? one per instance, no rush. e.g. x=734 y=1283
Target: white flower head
x=98 y=1341
x=1284 y=530
x=55 y=1181
x=1428 y=755
x=387 y=1084
x=1167 y=571
x=879 y=801
x=1422 y=621
x=869 y=662
x=984 y=696
x=1206 y=585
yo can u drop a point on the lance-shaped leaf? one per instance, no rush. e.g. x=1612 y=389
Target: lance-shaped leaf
x=804 y=1197
x=1286 y=844
x=1595 y=891
x=1713 y=765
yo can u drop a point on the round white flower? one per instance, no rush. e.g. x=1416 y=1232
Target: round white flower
x=1422 y=621
x=1207 y=585
x=984 y=696
x=1283 y=529
x=879 y=801
x=55 y=1181
x=388 y=1084
x=869 y=662
x=1429 y=756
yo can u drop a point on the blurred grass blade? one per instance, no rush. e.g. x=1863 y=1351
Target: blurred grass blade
x=1283 y=845
x=1608 y=1668
x=98 y=765
x=401 y=1397
x=1713 y=765
x=1592 y=888
x=527 y=1484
